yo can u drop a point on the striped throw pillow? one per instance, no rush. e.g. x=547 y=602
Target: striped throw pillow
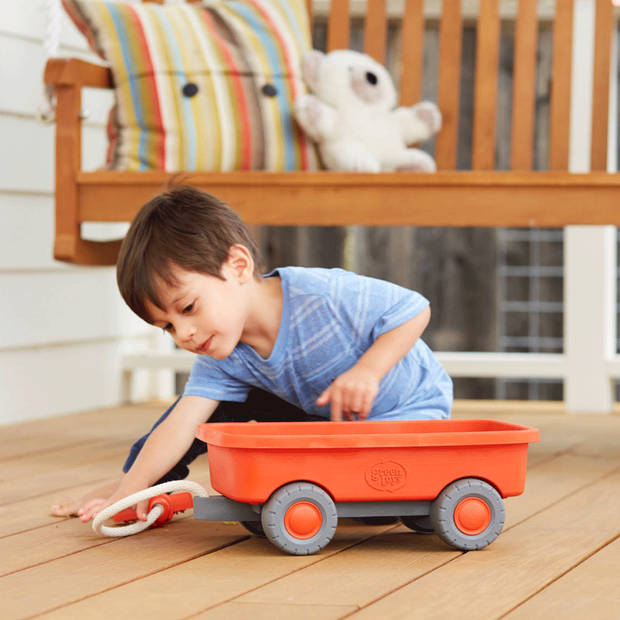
x=205 y=86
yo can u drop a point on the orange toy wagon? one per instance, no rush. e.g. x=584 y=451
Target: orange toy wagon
x=292 y=481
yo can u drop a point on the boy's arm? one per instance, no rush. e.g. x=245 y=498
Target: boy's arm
x=354 y=391
x=162 y=450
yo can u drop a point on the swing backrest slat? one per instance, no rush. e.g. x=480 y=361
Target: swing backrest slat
x=524 y=87
x=412 y=53
x=375 y=30
x=450 y=37
x=561 y=70
x=339 y=25
x=604 y=24
x=485 y=84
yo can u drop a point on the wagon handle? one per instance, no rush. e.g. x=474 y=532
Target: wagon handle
x=171 y=504
x=162 y=507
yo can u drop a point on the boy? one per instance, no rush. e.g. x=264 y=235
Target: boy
x=328 y=343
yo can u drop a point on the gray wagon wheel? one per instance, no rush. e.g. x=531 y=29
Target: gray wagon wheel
x=468 y=514
x=299 y=518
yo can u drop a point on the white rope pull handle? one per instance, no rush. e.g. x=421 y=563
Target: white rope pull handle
x=181 y=486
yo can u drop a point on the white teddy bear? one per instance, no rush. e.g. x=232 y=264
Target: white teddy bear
x=351 y=116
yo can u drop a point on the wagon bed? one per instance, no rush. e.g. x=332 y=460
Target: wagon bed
x=249 y=461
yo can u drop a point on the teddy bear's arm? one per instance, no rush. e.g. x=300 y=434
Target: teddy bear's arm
x=410 y=160
x=316 y=118
x=419 y=122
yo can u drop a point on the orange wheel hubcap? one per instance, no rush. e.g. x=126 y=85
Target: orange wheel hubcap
x=472 y=516
x=303 y=520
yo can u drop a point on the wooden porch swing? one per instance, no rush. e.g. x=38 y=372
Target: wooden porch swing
x=480 y=197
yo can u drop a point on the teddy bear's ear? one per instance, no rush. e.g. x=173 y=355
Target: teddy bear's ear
x=310 y=67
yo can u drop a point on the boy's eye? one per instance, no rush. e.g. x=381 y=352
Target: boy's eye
x=188 y=308
x=167 y=327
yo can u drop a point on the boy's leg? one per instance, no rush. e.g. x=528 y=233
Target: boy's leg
x=260 y=406
x=137 y=445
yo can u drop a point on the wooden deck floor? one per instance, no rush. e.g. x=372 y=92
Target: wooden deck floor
x=558 y=556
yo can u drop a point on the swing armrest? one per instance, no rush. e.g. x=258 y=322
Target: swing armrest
x=69 y=76
x=74 y=71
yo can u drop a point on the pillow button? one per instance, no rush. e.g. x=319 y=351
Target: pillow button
x=269 y=90
x=190 y=89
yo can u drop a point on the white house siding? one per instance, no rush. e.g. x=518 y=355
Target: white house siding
x=63 y=328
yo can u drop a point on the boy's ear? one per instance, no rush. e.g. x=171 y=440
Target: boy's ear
x=241 y=262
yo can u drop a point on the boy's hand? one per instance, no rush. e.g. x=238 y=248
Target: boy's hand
x=90 y=510
x=352 y=393
x=71 y=506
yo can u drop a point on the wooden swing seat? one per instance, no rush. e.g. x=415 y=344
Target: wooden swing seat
x=519 y=197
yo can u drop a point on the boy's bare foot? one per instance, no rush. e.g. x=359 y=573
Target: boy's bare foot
x=70 y=506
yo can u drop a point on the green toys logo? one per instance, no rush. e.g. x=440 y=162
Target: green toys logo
x=386 y=476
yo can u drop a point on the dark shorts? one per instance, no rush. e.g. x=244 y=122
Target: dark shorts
x=260 y=406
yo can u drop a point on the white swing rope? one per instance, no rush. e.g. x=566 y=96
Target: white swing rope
x=51 y=43
x=180 y=486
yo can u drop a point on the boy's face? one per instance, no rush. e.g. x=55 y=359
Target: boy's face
x=204 y=315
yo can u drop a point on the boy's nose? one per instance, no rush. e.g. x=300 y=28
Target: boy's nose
x=189 y=331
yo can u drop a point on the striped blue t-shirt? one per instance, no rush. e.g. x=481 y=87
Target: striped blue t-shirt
x=330 y=317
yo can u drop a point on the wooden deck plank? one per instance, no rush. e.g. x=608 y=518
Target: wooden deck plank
x=32 y=513
x=206 y=580
x=62 y=432
x=111 y=565
x=42 y=545
x=528 y=556
x=356 y=578
x=181 y=570
x=80 y=453
x=49 y=476
x=590 y=590
x=569 y=473
x=256 y=611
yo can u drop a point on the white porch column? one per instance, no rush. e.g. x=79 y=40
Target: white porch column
x=589 y=251
x=589 y=317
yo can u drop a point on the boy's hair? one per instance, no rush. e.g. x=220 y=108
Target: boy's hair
x=181 y=227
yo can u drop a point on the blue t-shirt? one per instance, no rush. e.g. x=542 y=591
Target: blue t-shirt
x=330 y=317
